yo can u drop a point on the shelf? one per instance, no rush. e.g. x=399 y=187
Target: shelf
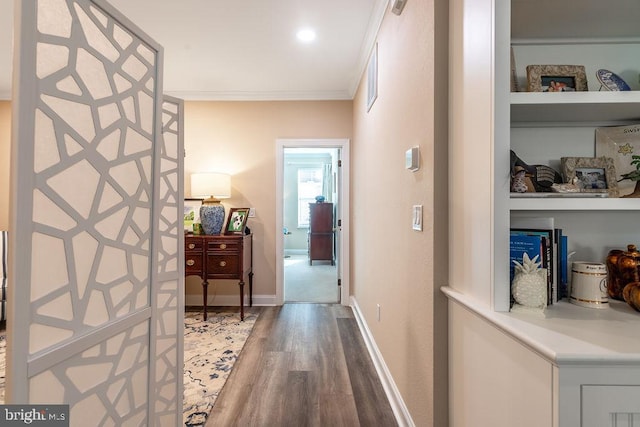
x=576 y=107
x=574 y=204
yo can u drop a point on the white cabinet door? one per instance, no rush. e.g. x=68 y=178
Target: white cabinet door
x=611 y=405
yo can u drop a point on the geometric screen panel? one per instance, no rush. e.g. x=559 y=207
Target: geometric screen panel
x=170 y=287
x=121 y=362
x=101 y=286
x=93 y=167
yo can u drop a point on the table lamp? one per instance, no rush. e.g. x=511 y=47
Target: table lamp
x=213 y=186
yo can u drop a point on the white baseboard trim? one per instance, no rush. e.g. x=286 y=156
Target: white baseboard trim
x=229 y=300
x=403 y=417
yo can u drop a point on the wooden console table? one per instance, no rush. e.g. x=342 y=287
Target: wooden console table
x=220 y=257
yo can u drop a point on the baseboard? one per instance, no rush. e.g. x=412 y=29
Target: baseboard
x=229 y=300
x=395 y=400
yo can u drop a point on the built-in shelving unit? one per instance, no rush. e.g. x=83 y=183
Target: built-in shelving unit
x=578 y=361
x=543 y=127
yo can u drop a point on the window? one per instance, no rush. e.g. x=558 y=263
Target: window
x=309 y=186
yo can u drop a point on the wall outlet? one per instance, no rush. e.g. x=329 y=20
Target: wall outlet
x=252 y=212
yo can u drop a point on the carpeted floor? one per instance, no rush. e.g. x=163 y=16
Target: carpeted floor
x=210 y=350
x=310 y=283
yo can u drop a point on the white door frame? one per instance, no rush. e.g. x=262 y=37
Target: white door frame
x=343 y=210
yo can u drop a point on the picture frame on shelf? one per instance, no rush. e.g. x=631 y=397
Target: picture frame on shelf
x=591 y=174
x=556 y=78
x=620 y=143
x=191 y=213
x=237 y=221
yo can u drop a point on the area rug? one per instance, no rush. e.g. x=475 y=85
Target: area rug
x=210 y=350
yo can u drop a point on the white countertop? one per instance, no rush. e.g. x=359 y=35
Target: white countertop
x=567 y=333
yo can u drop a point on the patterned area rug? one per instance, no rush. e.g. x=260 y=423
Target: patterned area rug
x=210 y=350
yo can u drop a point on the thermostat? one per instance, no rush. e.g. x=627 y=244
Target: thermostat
x=412 y=159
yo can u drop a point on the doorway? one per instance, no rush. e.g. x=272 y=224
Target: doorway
x=312 y=239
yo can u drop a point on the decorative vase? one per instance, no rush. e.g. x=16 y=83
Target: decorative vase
x=614 y=286
x=212 y=218
x=627 y=272
x=631 y=294
x=636 y=191
x=529 y=285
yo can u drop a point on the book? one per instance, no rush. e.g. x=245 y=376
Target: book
x=564 y=261
x=519 y=245
x=544 y=227
x=546 y=256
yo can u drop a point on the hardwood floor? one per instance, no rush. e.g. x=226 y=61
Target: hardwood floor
x=303 y=365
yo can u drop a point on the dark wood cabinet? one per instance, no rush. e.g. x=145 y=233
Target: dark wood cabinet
x=220 y=257
x=321 y=232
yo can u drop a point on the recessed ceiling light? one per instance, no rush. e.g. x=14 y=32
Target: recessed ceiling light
x=306 y=35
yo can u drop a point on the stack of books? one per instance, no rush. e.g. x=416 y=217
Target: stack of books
x=537 y=236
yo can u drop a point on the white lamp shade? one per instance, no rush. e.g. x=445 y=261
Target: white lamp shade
x=213 y=184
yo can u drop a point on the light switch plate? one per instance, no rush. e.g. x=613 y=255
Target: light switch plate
x=252 y=212
x=417 y=218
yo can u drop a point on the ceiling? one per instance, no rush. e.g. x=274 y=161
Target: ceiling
x=246 y=50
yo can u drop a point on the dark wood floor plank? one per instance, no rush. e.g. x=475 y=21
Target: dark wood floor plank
x=303 y=365
x=371 y=401
x=281 y=338
x=301 y=408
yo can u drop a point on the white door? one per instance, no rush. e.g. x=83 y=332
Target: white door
x=95 y=308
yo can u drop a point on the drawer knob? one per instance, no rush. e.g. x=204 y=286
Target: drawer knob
x=223 y=263
x=223 y=246
x=190 y=262
x=192 y=245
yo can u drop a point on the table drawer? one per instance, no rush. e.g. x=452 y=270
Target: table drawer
x=193 y=262
x=226 y=246
x=218 y=265
x=192 y=244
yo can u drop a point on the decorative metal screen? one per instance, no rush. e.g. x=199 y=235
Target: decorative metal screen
x=97 y=281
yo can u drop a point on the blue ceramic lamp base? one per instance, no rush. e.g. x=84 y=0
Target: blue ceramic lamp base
x=212 y=218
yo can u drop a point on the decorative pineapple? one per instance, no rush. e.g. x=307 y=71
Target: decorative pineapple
x=529 y=286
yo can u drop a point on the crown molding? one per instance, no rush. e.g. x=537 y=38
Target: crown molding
x=261 y=96
x=369 y=41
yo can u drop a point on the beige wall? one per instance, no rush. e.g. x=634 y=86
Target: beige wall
x=5 y=156
x=392 y=265
x=239 y=138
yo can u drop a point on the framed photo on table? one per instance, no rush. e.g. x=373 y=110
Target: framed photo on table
x=237 y=221
x=620 y=143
